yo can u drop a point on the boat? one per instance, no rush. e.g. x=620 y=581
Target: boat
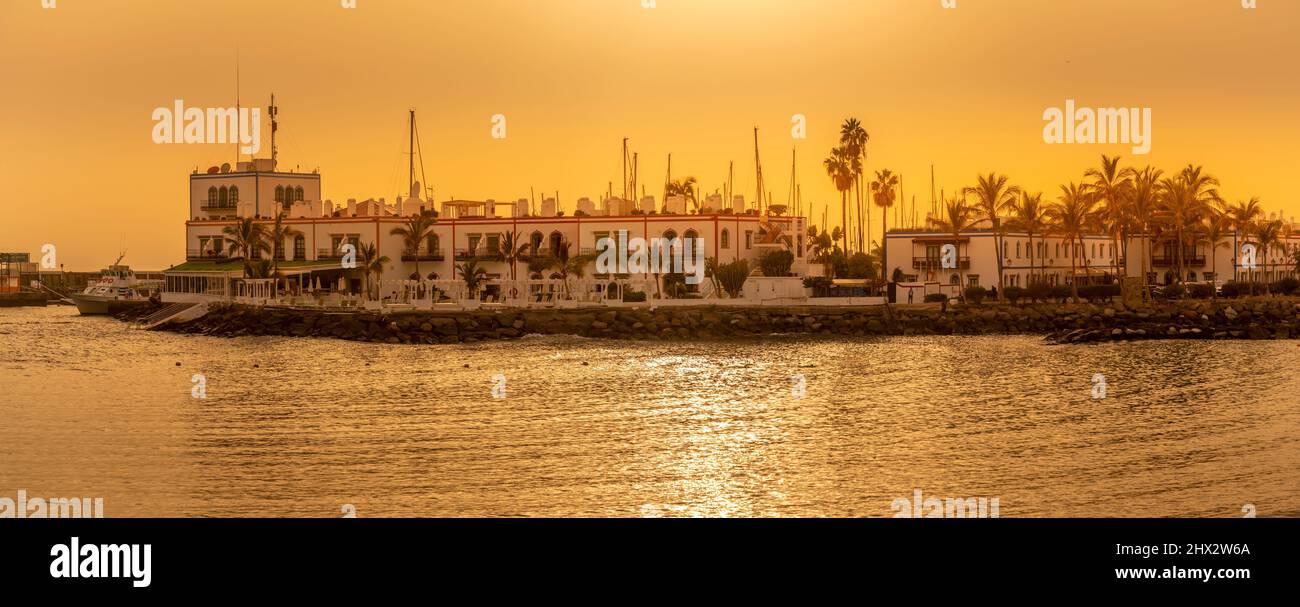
x=116 y=290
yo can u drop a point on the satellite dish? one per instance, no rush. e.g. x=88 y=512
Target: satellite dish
x=225 y=167
x=213 y=170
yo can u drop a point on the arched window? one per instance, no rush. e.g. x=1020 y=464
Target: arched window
x=556 y=241
x=670 y=235
x=1017 y=250
x=690 y=238
x=1006 y=249
x=954 y=279
x=279 y=193
x=725 y=239
x=431 y=241
x=221 y=197
x=1058 y=249
x=535 y=243
x=234 y=195
x=212 y=196
x=299 y=247
x=297 y=193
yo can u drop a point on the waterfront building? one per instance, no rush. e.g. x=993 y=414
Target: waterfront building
x=312 y=253
x=918 y=255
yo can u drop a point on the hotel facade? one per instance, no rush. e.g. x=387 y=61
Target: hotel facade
x=463 y=230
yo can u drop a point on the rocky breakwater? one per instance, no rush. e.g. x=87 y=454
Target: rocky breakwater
x=1259 y=318
x=1061 y=323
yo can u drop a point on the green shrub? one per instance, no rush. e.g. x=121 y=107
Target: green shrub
x=1233 y=288
x=936 y=298
x=1175 y=291
x=674 y=286
x=1286 y=286
x=777 y=263
x=861 y=265
x=1099 y=292
x=816 y=282
x=976 y=295
x=1200 y=291
x=1039 y=291
x=634 y=296
x=732 y=276
x=1060 y=293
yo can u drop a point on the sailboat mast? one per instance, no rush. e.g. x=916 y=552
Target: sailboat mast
x=758 y=170
x=410 y=182
x=789 y=202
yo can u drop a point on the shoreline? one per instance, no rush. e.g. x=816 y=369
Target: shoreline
x=1253 y=318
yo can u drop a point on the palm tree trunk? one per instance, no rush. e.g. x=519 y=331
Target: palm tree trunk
x=884 y=250
x=844 y=215
x=1074 y=273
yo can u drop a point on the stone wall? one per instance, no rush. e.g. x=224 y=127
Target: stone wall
x=1260 y=318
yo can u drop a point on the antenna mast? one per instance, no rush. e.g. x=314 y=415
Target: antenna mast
x=275 y=125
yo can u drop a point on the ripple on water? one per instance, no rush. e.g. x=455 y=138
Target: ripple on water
x=642 y=428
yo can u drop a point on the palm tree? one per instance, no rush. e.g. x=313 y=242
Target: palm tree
x=993 y=194
x=413 y=233
x=1184 y=201
x=884 y=190
x=1242 y=217
x=473 y=275
x=1267 y=235
x=1216 y=229
x=854 y=138
x=1112 y=186
x=839 y=169
x=1144 y=197
x=956 y=217
x=684 y=188
x=278 y=234
x=1070 y=217
x=512 y=250
x=372 y=262
x=248 y=238
x=1029 y=215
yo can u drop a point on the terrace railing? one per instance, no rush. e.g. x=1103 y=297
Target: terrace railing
x=936 y=263
x=196 y=254
x=424 y=255
x=1164 y=261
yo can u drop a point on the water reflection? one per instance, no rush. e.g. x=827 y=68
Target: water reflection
x=598 y=428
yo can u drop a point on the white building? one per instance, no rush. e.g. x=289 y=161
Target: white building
x=464 y=230
x=919 y=256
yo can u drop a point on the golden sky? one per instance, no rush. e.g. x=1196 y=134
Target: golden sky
x=962 y=88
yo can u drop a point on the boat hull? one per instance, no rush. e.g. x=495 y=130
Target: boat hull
x=90 y=304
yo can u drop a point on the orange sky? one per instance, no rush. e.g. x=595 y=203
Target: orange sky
x=964 y=88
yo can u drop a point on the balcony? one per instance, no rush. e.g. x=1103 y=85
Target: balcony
x=328 y=254
x=1164 y=261
x=936 y=263
x=198 y=255
x=435 y=255
x=217 y=206
x=468 y=254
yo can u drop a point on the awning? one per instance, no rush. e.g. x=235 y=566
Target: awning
x=236 y=268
